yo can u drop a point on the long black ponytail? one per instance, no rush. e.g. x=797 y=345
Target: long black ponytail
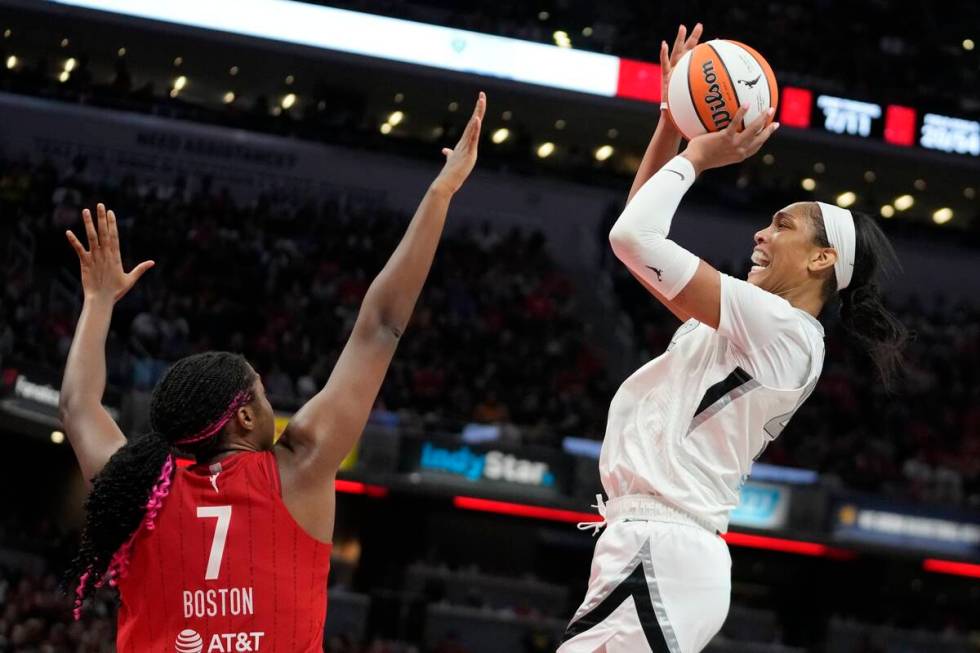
x=863 y=314
x=188 y=411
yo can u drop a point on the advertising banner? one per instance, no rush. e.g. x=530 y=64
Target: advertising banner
x=487 y=465
x=878 y=521
x=762 y=505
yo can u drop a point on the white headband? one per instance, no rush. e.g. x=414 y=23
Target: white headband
x=839 y=225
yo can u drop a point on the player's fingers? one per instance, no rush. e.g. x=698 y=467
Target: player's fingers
x=102 y=225
x=692 y=40
x=475 y=134
x=139 y=270
x=113 y=230
x=758 y=124
x=735 y=126
x=481 y=105
x=446 y=151
x=93 y=240
x=679 y=40
x=664 y=58
x=75 y=244
x=760 y=139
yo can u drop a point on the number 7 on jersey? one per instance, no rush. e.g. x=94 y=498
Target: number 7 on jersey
x=223 y=514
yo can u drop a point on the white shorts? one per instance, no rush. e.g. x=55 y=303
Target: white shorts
x=660 y=582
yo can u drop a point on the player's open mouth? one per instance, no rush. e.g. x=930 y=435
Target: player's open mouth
x=761 y=261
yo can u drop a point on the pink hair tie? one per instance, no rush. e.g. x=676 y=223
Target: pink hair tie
x=240 y=400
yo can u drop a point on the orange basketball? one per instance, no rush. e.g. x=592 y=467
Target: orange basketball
x=711 y=81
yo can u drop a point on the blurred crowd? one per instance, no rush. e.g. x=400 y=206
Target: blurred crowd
x=899 y=56
x=495 y=338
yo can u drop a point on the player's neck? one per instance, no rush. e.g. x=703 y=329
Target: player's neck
x=229 y=449
x=805 y=298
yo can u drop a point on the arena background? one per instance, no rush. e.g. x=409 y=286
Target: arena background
x=269 y=161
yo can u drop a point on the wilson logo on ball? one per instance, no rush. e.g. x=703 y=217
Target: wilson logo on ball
x=720 y=115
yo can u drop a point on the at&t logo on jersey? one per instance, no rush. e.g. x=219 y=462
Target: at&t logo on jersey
x=190 y=641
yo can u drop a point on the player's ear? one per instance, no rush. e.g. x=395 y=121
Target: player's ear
x=246 y=418
x=822 y=258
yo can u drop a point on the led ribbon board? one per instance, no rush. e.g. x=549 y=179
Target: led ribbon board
x=390 y=38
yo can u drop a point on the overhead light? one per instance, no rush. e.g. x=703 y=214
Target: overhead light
x=288 y=100
x=969 y=192
x=887 y=211
x=808 y=184
x=819 y=168
x=870 y=176
x=233 y=71
x=70 y=64
x=543 y=15
x=121 y=52
x=7 y=33
x=603 y=152
x=11 y=62
x=586 y=31
x=399 y=98
x=396 y=117
x=321 y=105
x=768 y=159
x=180 y=83
x=385 y=128
x=500 y=135
x=289 y=80
x=174 y=92
x=920 y=184
x=453 y=106
x=612 y=132
x=63 y=76
x=64 y=43
x=438 y=131
x=561 y=39
x=904 y=202
x=545 y=150
x=846 y=199
x=507 y=115
x=943 y=215
x=178 y=61
x=559 y=124
x=228 y=97
x=57 y=437
x=968 y=44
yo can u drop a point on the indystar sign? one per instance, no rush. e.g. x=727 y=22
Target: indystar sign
x=491 y=465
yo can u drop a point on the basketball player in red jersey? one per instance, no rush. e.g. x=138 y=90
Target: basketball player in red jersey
x=232 y=553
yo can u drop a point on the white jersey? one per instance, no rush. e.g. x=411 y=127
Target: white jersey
x=687 y=425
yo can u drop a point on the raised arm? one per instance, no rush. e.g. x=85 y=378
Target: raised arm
x=325 y=430
x=639 y=237
x=666 y=141
x=93 y=434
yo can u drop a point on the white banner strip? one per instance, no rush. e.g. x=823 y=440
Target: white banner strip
x=386 y=38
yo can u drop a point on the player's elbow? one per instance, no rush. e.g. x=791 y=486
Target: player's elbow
x=68 y=406
x=624 y=242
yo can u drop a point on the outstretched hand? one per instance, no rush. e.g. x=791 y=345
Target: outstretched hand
x=669 y=58
x=103 y=276
x=733 y=144
x=461 y=159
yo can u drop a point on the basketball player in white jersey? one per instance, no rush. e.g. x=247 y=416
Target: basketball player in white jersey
x=684 y=429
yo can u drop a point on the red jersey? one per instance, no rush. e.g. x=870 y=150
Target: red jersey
x=226 y=570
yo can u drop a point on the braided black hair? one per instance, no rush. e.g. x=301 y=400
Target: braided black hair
x=188 y=410
x=862 y=310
